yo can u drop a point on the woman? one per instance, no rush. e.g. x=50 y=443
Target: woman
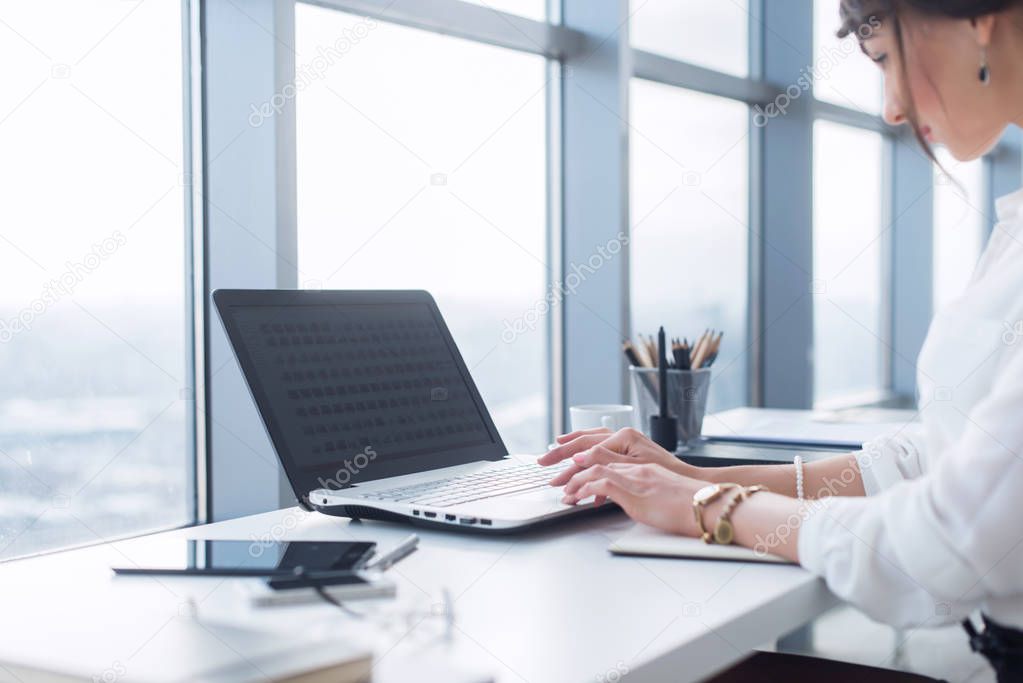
x=939 y=533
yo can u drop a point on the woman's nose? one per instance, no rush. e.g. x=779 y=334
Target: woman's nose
x=893 y=112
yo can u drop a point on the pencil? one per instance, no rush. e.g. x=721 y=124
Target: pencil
x=715 y=347
x=642 y=353
x=630 y=354
x=702 y=350
x=651 y=350
x=694 y=355
x=634 y=360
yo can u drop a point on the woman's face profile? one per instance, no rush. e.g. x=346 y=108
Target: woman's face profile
x=943 y=60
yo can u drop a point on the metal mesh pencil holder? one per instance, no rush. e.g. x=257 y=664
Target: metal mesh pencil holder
x=687 y=399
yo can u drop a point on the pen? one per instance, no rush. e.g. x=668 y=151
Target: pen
x=396 y=554
x=663 y=427
x=662 y=372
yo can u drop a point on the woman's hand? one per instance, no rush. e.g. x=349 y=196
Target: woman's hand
x=600 y=446
x=648 y=493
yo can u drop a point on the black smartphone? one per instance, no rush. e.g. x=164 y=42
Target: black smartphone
x=318 y=580
x=252 y=558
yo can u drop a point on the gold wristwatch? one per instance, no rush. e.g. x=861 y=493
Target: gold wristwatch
x=704 y=497
x=724 y=532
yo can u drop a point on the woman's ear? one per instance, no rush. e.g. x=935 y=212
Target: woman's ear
x=983 y=29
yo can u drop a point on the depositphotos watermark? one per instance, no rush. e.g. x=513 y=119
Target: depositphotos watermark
x=111 y=674
x=1012 y=332
x=614 y=674
x=831 y=487
x=75 y=272
x=808 y=75
x=260 y=543
x=528 y=321
x=313 y=70
x=349 y=468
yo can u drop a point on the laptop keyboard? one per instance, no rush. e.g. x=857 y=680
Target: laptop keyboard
x=470 y=487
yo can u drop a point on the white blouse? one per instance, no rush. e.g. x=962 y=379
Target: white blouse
x=941 y=532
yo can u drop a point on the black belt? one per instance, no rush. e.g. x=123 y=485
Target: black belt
x=1001 y=646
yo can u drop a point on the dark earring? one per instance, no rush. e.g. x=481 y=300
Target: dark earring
x=984 y=75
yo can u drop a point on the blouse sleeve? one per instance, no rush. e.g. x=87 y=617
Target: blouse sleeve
x=930 y=550
x=891 y=458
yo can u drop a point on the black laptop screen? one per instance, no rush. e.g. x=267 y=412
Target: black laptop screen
x=376 y=379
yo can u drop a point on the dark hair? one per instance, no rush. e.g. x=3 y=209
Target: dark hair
x=861 y=17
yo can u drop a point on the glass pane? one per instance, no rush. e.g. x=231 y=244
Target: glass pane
x=531 y=9
x=958 y=225
x=848 y=244
x=710 y=34
x=842 y=74
x=94 y=430
x=689 y=208
x=421 y=164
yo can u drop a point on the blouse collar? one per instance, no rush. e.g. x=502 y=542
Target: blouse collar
x=1010 y=206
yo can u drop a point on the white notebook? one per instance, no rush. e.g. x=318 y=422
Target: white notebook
x=185 y=649
x=845 y=429
x=650 y=542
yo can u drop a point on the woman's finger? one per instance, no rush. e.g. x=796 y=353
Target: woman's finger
x=600 y=455
x=622 y=475
x=567 y=450
x=608 y=489
x=563 y=477
x=625 y=440
x=565 y=438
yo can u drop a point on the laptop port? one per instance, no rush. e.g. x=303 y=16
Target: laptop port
x=486 y=522
x=467 y=520
x=449 y=518
x=415 y=513
x=431 y=515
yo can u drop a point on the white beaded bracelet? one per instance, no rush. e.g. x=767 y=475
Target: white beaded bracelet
x=799 y=476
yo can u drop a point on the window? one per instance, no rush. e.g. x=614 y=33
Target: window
x=422 y=165
x=689 y=223
x=94 y=419
x=958 y=225
x=849 y=244
x=711 y=34
x=841 y=73
x=532 y=9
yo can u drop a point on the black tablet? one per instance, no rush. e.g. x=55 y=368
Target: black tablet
x=253 y=558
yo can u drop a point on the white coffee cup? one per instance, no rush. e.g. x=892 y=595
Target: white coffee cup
x=610 y=416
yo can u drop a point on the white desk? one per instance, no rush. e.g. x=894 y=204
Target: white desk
x=552 y=605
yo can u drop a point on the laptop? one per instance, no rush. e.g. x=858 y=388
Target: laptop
x=373 y=413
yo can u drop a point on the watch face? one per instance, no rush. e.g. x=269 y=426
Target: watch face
x=706 y=493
